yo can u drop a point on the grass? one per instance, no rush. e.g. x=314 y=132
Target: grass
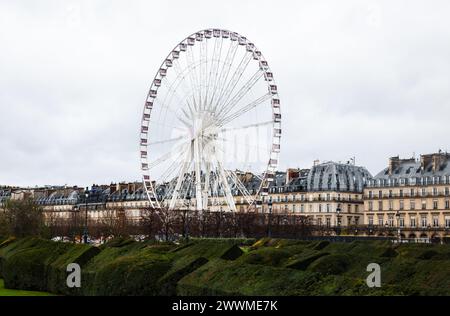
x=8 y=292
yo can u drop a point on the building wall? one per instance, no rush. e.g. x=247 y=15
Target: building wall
x=416 y=209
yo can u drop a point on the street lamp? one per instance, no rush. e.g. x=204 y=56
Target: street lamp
x=269 y=228
x=85 y=233
x=397 y=215
x=338 y=215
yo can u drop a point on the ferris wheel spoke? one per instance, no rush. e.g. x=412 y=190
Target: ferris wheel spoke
x=203 y=72
x=247 y=126
x=234 y=80
x=228 y=106
x=164 y=157
x=231 y=53
x=193 y=75
x=244 y=109
x=164 y=141
x=214 y=69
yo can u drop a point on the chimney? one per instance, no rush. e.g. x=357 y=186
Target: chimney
x=112 y=188
x=394 y=162
x=438 y=159
x=425 y=160
x=292 y=173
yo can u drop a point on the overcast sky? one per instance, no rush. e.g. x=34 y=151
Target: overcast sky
x=368 y=79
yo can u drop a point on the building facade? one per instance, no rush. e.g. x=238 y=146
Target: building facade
x=411 y=197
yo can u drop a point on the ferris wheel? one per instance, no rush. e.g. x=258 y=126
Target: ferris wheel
x=211 y=125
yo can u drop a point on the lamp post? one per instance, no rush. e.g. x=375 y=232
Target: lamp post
x=269 y=228
x=338 y=216
x=85 y=233
x=397 y=215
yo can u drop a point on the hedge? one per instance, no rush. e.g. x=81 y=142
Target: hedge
x=221 y=267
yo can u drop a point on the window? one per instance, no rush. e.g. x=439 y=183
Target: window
x=380 y=221
x=310 y=207
x=401 y=193
x=356 y=208
x=356 y=220
x=328 y=208
x=380 y=194
x=391 y=221
x=349 y=208
x=401 y=205
x=401 y=222
x=370 y=220
x=370 y=194
x=411 y=192
x=424 y=191
x=435 y=204
x=447 y=191
x=302 y=208
x=424 y=205
x=412 y=205
x=435 y=221
x=435 y=191
x=319 y=221
x=328 y=197
x=380 y=205
x=447 y=222
x=412 y=222
x=370 y=205
x=293 y=208
x=328 y=222
x=391 y=205
x=447 y=204
x=390 y=193
x=423 y=221
x=320 y=208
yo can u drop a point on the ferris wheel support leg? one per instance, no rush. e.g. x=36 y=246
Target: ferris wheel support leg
x=228 y=196
x=183 y=170
x=206 y=186
x=198 y=175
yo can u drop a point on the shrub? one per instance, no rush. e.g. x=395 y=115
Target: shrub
x=57 y=270
x=331 y=264
x=220 y=277
x=132 y=275
x=303 y=262
x=25 y=266
x=266 y=256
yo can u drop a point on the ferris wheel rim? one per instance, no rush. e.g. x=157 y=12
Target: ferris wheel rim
x=269 y=173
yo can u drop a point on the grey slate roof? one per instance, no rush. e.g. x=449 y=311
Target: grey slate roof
x=332 y=176
x=412 y=172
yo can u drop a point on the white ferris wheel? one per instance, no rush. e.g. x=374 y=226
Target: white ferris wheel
x=211 y=118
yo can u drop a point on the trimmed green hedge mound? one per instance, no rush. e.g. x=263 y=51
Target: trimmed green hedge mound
x=226 y=267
